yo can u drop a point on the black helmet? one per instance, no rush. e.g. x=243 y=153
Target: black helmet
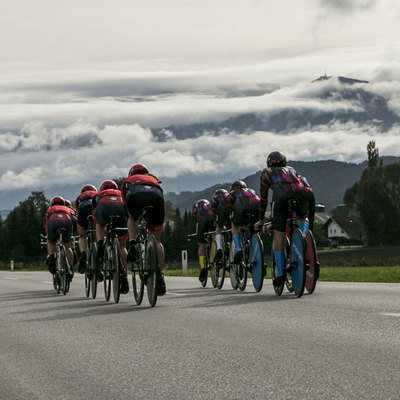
x=238 y=185
x=218 y=192
x=276 y=159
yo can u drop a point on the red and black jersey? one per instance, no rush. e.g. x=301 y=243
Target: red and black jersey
x=108 y=196
x=88 y=195
x=245 y=195
x=140 y=179
x=61 y=210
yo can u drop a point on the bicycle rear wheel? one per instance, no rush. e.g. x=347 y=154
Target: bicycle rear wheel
x=107 y=272
x=312 y=263
x=297 y=262
x=274 y=273
x=63 y=271
x=211 y=262
x=137 y=272
x=257 y=262
x=233 y=267
x=117 y=270
x=153 y=271
x=288 y=277
x=57 y=283
x=93 y=270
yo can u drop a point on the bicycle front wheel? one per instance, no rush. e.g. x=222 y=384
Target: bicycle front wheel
x=117 y=270
x=297 y=262
x=152 y=270
x=312 y=263
x=257 y=262
x=138 y=273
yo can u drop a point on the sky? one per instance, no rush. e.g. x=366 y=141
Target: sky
x=84 y=84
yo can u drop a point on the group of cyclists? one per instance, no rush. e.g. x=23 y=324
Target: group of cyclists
x=142 y=189
x=229 y=210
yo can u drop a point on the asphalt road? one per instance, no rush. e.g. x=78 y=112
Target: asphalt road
x=342 y=342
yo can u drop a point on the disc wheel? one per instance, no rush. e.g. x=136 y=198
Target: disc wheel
x=298 y=262
x=137 y=269
x=257 y=262
x=312 y=263
x=153 y=271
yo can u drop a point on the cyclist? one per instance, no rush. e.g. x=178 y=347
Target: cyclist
x=83 y=205
x=106 y=202
x=221 y=211
x=285 y=183
x=58 y=216
x=141 y=189
x=242 y=201
x=204 y=217
x=74 y=225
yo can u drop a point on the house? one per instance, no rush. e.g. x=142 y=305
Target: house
x=345 y=227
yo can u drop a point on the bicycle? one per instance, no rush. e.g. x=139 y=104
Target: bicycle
x=210 y=255
x=222 y=265
x=91 y=272
x=62 y=277
x=295 y=264
x=252 y=259
x=113 y=270
x=145 y=270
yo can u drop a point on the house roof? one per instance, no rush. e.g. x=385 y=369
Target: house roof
x=353 y=226
x=321 y=218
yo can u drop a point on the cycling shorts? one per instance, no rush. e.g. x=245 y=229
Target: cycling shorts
x=140 y=196
x=205 y=223
x=279 y=207
x=84 y=210
x=57 y=221
x=222 y=215
x=104 y=211
x=245 y=210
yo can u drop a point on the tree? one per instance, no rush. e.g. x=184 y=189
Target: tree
x=373 y=154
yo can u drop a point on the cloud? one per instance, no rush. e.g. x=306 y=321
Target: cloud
x=345 y=6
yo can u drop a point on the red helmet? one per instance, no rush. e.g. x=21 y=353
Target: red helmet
x=57 y=201
x=88 y=187
x=138 y=169
x=67 y=203
x=108 y=185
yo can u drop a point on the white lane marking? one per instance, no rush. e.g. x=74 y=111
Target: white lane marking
x=47 y=282
x=12 y=279
x=177 y=294
x=391 y=314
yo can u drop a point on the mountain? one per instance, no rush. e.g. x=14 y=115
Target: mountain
x=329 y=180
x=368 y=108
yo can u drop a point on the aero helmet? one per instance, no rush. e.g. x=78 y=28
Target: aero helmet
x=138 y=169
x=67 y=203
x=202 y=202
x=276 y=159
x=88 y=187
x=57 y=201
x=108 y=185
x=219 y=192
x=238 y=185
